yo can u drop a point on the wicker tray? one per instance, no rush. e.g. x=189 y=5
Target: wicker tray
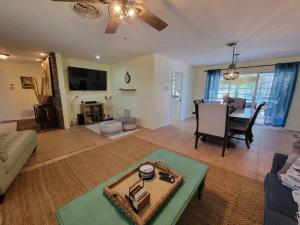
x=159 y=190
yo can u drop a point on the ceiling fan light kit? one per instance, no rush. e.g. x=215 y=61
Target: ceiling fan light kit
x=232 y=73
x=4 y=55
x=123 y=12
x=120 y=11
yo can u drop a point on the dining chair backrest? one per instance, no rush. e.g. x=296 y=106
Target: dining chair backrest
x=238 y=103
x=196 y=103
x=213 y=119
x=253 y=119
x=251 y=105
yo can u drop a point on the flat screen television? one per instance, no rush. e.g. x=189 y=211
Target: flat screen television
x=81 y=79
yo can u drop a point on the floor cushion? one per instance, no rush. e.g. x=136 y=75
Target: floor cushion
x=111 y=127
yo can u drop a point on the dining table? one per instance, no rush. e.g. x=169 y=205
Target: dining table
x=242 y=114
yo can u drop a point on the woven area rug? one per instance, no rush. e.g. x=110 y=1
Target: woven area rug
x=34 y=196
x=61 y=142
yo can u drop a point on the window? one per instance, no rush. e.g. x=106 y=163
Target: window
x=242 y=87
x=264 y=87
x=254 y=87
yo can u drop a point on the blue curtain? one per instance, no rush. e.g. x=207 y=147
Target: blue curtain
x=212 y=84
x=282 y=92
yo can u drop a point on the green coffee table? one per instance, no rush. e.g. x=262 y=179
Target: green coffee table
x=94 y=208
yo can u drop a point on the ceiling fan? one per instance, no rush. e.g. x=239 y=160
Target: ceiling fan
x=121 y=11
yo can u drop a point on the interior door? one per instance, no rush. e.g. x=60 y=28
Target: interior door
x=176 y=95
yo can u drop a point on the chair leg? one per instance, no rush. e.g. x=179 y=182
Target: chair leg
x=223 y=151
x=2 y=198
x=250 y=139
x=196 y=141
x=223 y=147
x=247 y=141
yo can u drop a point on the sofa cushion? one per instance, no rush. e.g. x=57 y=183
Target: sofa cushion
x=272 y=218
x=17 y=145
x=5 y=139
x=278 y=198
x=8 y=127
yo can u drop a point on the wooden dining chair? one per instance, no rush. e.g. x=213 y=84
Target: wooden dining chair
x=245 y=127
x=196 y=103
x=212 y=122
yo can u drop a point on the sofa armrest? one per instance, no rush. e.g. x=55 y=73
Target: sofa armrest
x=272 y=218
x=278 y=162
x=2 y=178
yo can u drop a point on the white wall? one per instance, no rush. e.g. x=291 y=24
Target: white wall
x=141 y=102
x=293 y=121
x=17 y=103
x=73 y=104
x=151 y=76
x=164 y=68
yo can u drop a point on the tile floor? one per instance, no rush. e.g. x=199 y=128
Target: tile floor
x=254 y=163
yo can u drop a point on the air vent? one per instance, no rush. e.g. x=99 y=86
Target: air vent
x=86 y=10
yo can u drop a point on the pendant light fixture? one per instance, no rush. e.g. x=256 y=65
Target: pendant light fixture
x=231 y=73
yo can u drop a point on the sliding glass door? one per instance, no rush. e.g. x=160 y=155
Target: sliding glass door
x=263 y=91
x=254 y=87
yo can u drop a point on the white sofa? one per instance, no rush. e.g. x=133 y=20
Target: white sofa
x=15 y=149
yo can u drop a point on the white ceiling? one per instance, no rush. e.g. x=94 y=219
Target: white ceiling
x=197 y=31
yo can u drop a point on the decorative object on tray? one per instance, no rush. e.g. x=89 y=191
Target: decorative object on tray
x=147 y=171
x=138 y=196
x=166 y=177
x=128 y=191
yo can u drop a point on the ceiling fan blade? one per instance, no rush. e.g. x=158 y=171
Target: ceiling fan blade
x=85 y=1
x=151 y=19
x=112 y=26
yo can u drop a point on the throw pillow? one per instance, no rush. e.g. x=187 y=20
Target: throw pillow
x=293 y=156
x=291 y=178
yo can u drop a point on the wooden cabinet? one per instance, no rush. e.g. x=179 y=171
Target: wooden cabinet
x=92 y=113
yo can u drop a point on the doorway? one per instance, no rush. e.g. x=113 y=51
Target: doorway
x=176 y=95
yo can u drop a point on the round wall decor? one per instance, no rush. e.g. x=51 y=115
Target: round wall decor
x=127 y=78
